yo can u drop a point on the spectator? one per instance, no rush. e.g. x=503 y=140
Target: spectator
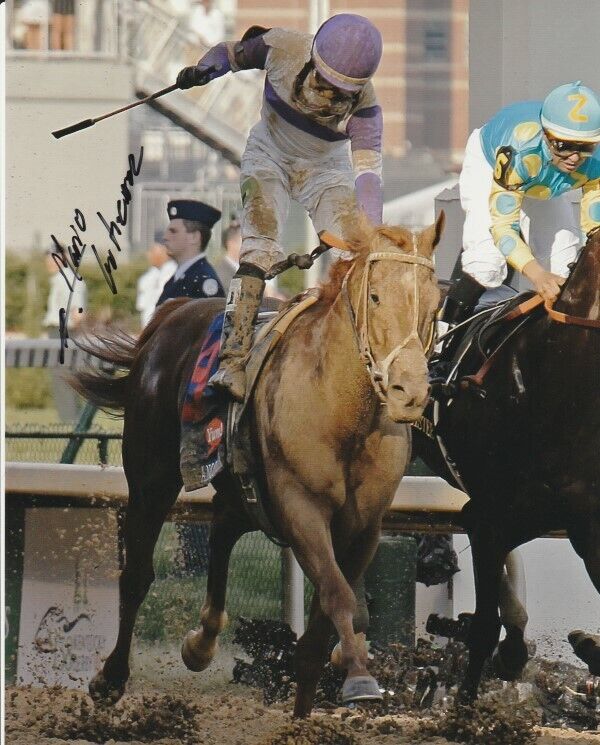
x=207 y=21
x=67 y=402
x=227 y=265
x=150 y=285
x=63 y=25
x=34 y=14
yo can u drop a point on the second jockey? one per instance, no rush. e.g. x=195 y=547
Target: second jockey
x=527 y=154
x=318 y=141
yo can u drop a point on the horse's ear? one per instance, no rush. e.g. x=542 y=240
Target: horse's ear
x=396 y=234
x=433 y=233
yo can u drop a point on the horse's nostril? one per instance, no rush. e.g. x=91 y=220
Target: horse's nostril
x=398 y=387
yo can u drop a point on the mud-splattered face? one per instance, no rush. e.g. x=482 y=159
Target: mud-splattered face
x=401 y=302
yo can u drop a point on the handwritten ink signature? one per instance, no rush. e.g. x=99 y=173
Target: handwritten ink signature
x=71 y=257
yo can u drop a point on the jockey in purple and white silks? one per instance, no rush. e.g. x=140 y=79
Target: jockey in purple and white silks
x=515 y=184
x=318 y=142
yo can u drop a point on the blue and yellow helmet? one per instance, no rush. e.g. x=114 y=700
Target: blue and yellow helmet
x=572 y=112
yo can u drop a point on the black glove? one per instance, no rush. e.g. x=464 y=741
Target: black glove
x=190 y=76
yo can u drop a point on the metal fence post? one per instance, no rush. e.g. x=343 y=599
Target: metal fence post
x=292 y=580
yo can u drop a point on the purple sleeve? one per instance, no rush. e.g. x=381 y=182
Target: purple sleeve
x=218 y=57
x=369 y=196
x=365 y=129
x=252 y=53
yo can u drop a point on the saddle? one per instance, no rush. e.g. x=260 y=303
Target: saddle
x=475 y=344
x=215 y=429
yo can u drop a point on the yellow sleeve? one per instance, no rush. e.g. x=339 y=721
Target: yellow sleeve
x=505 y=210
x=590 y=206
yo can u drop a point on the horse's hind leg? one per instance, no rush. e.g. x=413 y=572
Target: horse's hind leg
x=587 y=646
x=311 y=656
x=199 y=645
x=146 y=513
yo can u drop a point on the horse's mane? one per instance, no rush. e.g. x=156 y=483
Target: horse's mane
x=360 y=239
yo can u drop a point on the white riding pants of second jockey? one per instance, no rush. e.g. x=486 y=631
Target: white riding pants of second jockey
x=549 y=227
x=315 y=173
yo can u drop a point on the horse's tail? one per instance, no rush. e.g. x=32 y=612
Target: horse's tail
x=109 y=389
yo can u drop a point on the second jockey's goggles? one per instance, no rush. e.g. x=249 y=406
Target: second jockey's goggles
x=566 y=148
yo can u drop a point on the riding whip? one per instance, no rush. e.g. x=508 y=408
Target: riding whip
x=89 y=122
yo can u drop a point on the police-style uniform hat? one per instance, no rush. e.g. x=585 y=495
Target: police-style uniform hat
x=191 y=209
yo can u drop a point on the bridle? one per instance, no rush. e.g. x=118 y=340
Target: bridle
x=379 y=370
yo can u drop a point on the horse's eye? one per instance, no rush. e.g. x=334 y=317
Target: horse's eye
x=375 y=298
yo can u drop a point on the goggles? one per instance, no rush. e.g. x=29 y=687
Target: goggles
x=565 y=148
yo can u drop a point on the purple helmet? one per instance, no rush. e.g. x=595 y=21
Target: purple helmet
x=346 y=51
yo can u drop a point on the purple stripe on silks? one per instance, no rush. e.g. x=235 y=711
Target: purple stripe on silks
x=255 y=53
x=365 y=129
x=369 y=196
x=298 y=120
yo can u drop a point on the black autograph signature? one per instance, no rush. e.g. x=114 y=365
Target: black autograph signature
x=69 y=259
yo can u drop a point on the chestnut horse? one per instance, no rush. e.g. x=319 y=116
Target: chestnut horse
x=331 y=412
x=528 y=454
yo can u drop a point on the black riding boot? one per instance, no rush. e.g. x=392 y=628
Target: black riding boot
x=459 y=305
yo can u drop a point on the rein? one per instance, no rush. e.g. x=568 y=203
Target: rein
x=555 y=315
x=379 y=371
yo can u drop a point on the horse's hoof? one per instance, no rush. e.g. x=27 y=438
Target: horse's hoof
x=196 y=652
x=508 y=662
x=104 y=691
x=361 y=688
x=466 y=696
x=587 y=648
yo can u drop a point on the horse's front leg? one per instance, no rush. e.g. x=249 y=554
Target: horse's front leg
x=200 y=645
x=311 y=541
x=512 y=653
x=484 y=632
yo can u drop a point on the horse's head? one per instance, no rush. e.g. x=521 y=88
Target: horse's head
x=394 y=295
x=580 y=295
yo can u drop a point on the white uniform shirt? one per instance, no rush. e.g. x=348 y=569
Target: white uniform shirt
x=58 y=298
x=149 y=287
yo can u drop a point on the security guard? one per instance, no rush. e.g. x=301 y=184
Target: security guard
x=186 y=238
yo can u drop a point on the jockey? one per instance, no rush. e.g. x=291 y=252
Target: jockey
x=529 y=151
x=318 y=142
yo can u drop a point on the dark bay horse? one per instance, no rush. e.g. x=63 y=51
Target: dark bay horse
x=330 y=421
x=529 y=455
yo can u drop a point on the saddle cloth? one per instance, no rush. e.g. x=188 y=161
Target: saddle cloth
x=209 y=419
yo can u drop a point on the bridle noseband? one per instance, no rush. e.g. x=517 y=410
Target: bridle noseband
x=379 y=371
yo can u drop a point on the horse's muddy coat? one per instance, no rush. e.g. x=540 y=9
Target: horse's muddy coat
x=332 y=454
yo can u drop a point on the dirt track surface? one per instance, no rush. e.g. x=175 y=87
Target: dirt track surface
x=232 y=716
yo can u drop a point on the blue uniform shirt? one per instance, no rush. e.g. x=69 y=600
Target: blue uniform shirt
x=199 y=281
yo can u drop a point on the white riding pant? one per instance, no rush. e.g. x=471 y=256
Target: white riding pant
x=269 y=179
x=549 y=227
